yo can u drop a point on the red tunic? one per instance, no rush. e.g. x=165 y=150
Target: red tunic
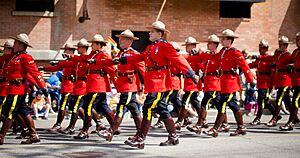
x=189 y=85
x=232 y=58
x=3 y=81
x=97 y=74
x=175 y=78
x=69 y=71
x=18 y=67
x=263 y=73
x=131 y=81
x=163 y=54
x=296 y=59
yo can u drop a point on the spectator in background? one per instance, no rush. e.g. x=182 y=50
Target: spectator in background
x=39 y=105
x=250 y=100
x=54 y=85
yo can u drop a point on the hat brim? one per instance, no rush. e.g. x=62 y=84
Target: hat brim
x=80 y=46
x=212 y=41
x=15 y=38
x=190 y=43
x=68 y=48
x=228 y=36
x=134 y=38
x=151 y=27
x=98 y=41
x=286 y=42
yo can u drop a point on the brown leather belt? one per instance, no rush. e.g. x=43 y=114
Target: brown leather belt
x=211 y=73
x=72 y=78
x=282 y=70
x=178 y=75
x=81 y=78
x=17 y=81
x=267 y=73
x=126 y=73
x=157 y=68
x=2 y=79
x=100 y=72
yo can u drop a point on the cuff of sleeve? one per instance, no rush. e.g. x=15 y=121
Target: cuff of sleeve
x=190 y=73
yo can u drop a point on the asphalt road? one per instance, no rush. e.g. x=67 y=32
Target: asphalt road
x=260 y=142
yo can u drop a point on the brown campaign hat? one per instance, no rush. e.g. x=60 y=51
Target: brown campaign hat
x=83 y=43
x=98 y=38
x=228 y=33
x=190 y=40
x=128 y=34
x=69 y=46
x=284 y=39
x=23 y=38
x=213 y=38
x=8 y=44
x=159 y=26
x=263 y=43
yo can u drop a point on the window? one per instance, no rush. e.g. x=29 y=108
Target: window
x=35 y=5
x=229 y=9
x=139 y=45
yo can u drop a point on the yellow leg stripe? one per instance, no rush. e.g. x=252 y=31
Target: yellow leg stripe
x=2 y=104
x=77 y=103
x=13 y=107
x=168 y=96
x=63 y=106
x=268 y=92
x=214 y=95
x=188 y=100
x=297 y=100
x=128 y=98
x=225 y=103
x=281 y=96
x=149 y=115
x=121 y=110
x=89 y=112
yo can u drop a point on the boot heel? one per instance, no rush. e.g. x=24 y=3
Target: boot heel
x=141 y=146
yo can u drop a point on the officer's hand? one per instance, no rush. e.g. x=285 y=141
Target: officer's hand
x=53 y=63
x=91 y=61
x=116 y=61
x=255 y=57
x=273 y=66
x=195 y=79
x=65 y=55
x=41 y=68
x=252 y=84
x=194 y=51
x=45 y=92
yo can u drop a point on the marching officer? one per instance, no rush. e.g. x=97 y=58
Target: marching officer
x=97 y=83
x=282 y=77
x=190 y=88
x=157 y=57
x=79 y=89
x=211 y=83
x=8 y=50
x=230 y=59
x=68 y=79
x=264 y=83
x=295 y=58
x=18 y=67
x=127 y=84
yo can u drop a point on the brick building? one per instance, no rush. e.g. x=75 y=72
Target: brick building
x=50 y=30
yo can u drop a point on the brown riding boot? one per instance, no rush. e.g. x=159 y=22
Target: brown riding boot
x=71 y=128
x=289 y=126
x=214 y=130
x=239 y=120
x=99 y=125
x=57 y=126
x=33 y=138
x=5 y=127
x=173 y=137
x=83 y=134
x=275 y=118
x=224 y=127
x=197 y=128
x=138 y=124
x=109 y=133
x=181 y=116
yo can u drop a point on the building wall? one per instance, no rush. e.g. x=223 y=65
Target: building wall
x=183 y=18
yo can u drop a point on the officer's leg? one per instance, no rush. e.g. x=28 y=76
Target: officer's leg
x=293 y=111
x=2 y=101
x=134 y=109
x=279 y=99
x=238 y=116
x=175 y=99
x=262 y=96
x=9 y=110
x=90 y=101
x=287 y=99
x=66 y=98
x=221 y=107
x=150 y=103
x=107 y=112
x=24 y=111
x=184 y=106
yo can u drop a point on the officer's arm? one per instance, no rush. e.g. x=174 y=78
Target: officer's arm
x=240 y=60
x=254 y=64
x=132 y=59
